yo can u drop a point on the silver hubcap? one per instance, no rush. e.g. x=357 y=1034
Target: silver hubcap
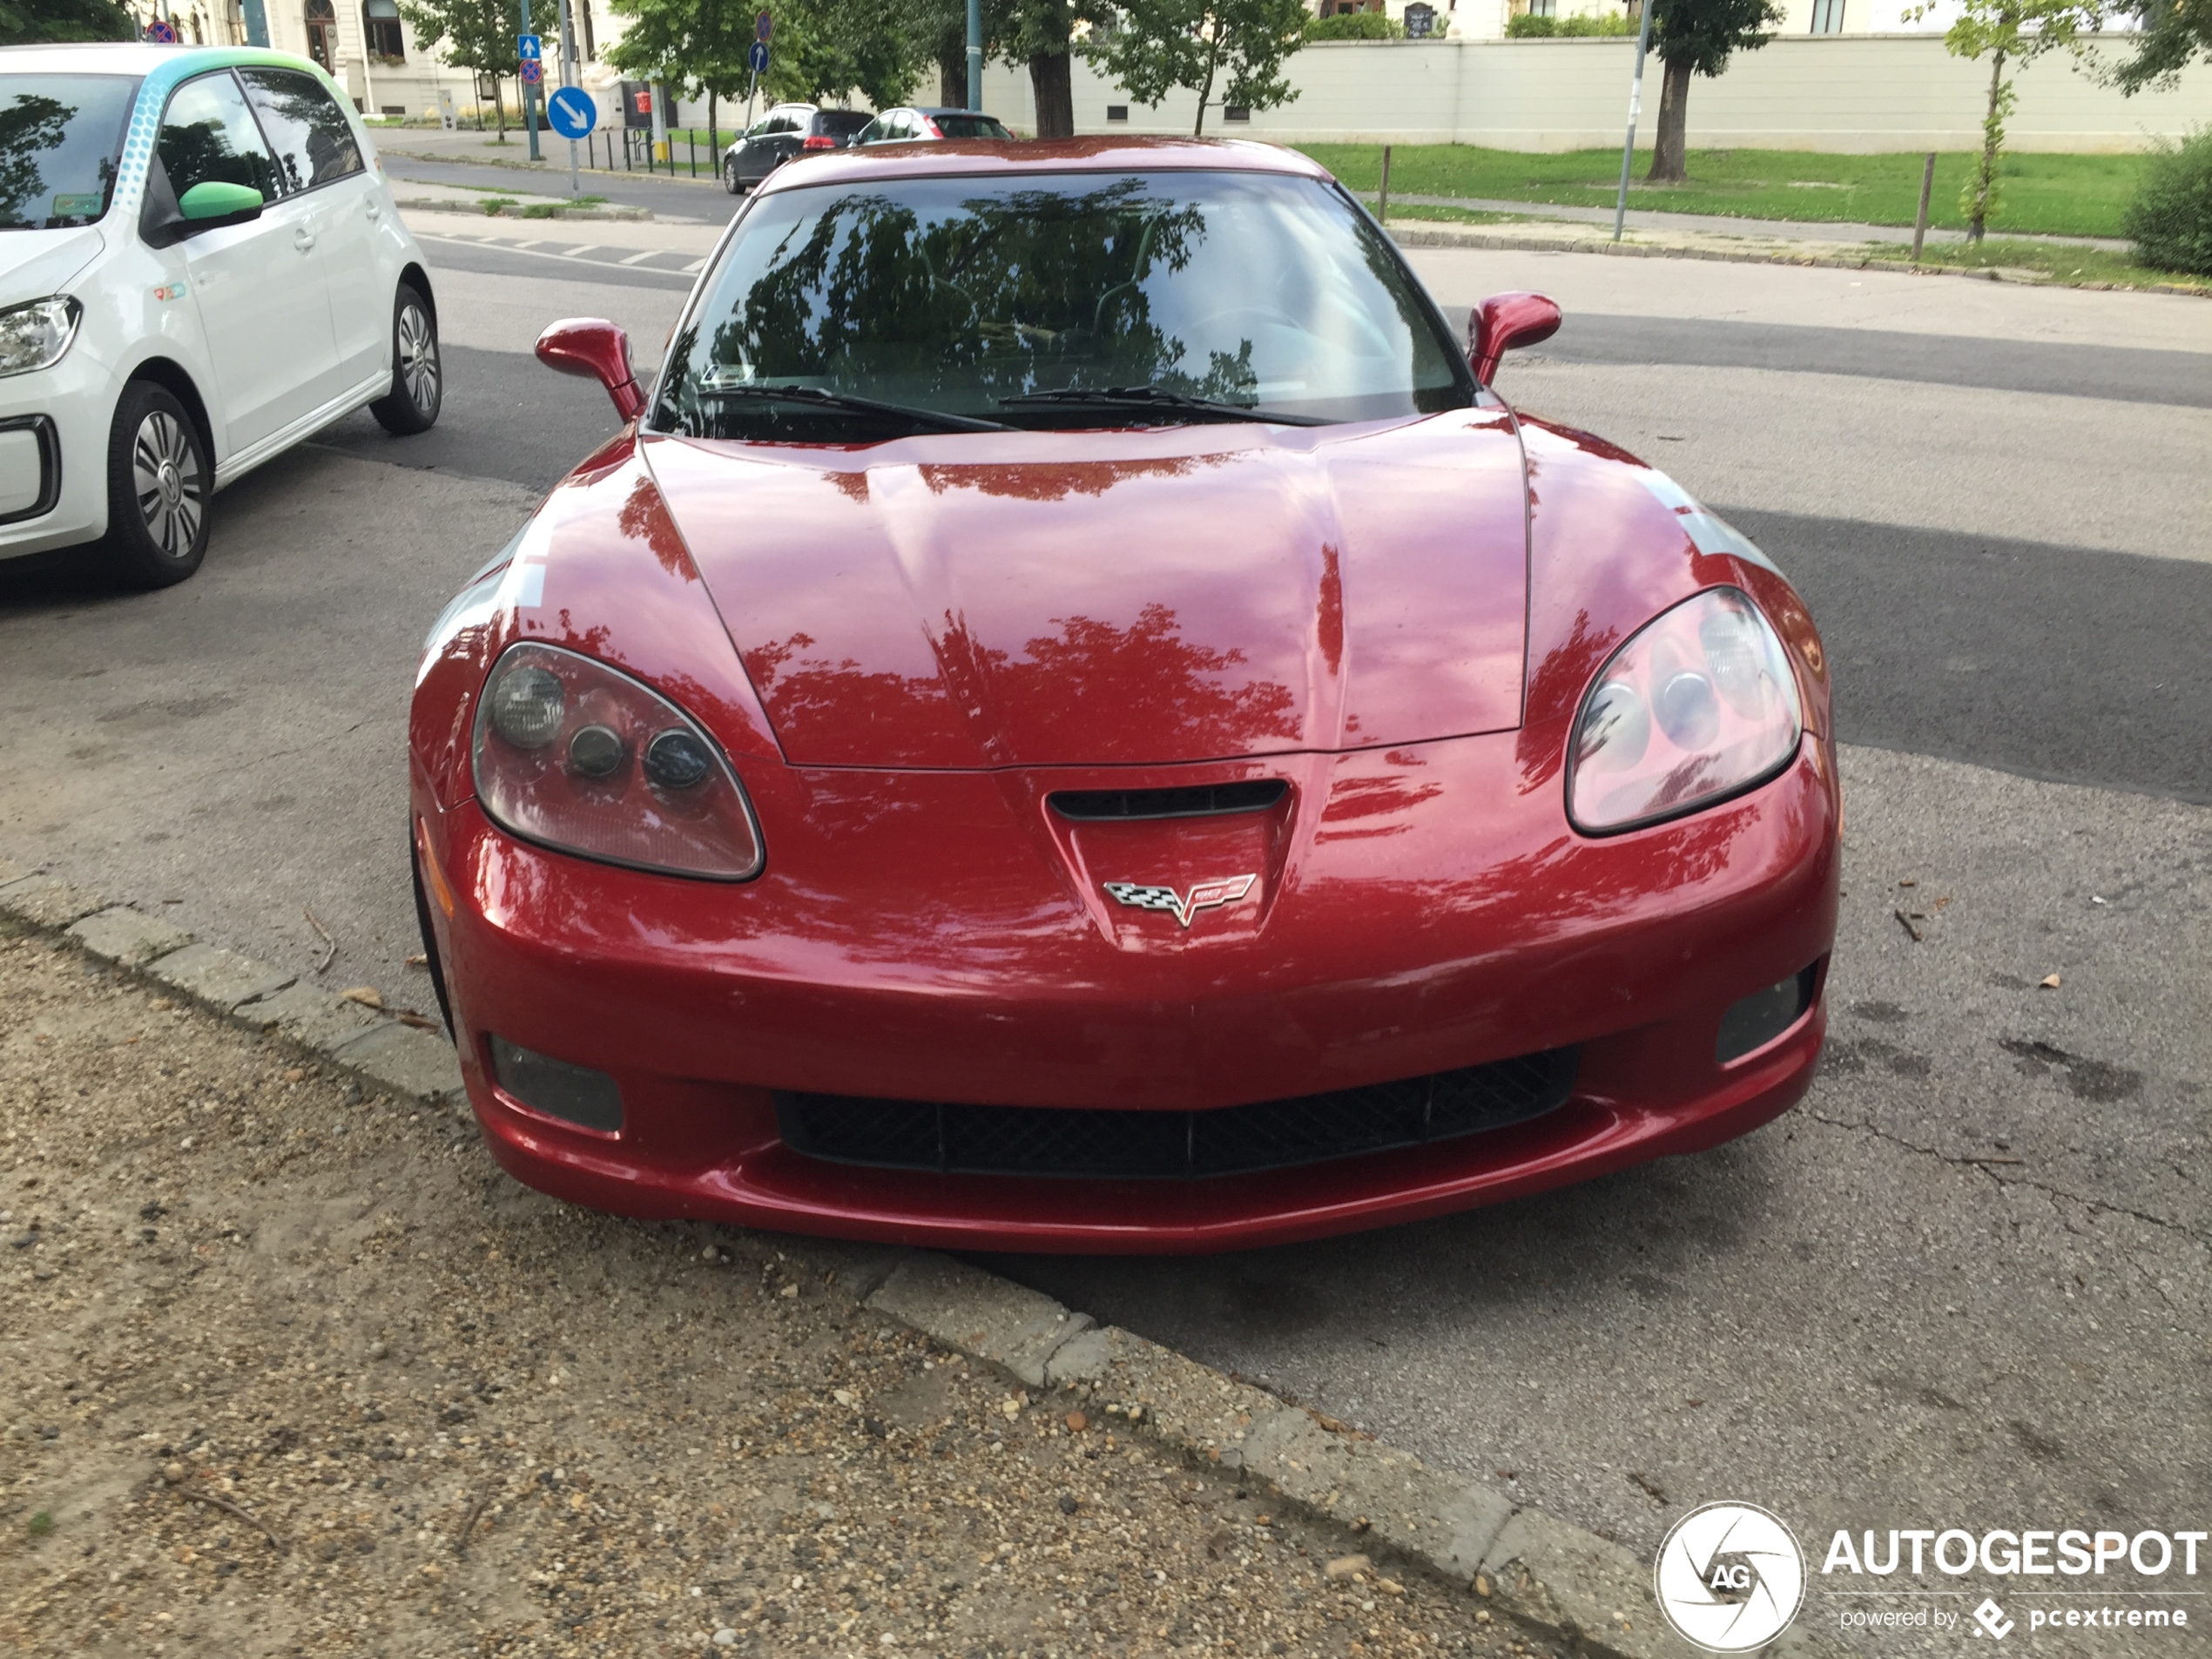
x=418 y=359
x=165 y=477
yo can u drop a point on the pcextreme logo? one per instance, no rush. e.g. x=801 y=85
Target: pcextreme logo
x=1729 y=1578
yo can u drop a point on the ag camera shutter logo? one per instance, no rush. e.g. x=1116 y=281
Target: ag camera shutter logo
x=1729 y=1578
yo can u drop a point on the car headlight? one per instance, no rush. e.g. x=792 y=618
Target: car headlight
x=1698 y=705
x=573 y=755
x=35 y=335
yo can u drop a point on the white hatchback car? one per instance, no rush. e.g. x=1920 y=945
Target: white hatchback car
x=200 y=265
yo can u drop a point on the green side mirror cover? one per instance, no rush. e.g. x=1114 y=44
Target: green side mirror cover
x=214 y=199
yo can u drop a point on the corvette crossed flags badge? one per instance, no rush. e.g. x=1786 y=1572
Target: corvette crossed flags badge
x=1205 y=895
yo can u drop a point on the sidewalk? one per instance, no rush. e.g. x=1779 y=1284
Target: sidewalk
x=292 y=1367
x=1725 y=225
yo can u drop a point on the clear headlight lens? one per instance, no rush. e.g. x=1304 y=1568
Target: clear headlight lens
x=571 y=754
x=35 y=335
x=1698 y=705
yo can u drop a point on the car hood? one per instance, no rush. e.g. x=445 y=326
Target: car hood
x=34 y=264
x=1126 y=598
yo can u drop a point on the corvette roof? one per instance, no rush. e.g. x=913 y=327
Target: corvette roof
x=982 y=158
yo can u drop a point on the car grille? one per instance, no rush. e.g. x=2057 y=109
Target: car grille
x=1201 y=800
x=1139 y=1145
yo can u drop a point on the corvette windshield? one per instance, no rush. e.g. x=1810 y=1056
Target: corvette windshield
x=61 y=136
x=1090 y=299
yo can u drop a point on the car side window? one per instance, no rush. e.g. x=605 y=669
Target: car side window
x=314 y=142
x=208 y=133
x=869 y=133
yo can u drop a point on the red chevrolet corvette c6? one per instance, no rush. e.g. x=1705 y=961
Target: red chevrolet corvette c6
x=1072 y=718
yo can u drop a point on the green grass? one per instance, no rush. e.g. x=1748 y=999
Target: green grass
x=41 y=1524
x=2052 y=195
x=2055 y=260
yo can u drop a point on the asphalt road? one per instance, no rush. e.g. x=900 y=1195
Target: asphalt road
x=1964 y=1284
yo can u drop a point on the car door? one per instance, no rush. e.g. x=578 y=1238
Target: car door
x=754 y=156
x=258 y=286
x=319 y=158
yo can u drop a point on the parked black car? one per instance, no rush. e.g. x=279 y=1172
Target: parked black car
x=786 y=131
x=909 y=124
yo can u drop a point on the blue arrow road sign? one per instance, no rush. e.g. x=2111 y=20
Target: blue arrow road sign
x=529 y=48
x=572 y=113
x=757 y=57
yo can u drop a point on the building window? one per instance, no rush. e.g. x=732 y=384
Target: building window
x=322 y=34
x=380 y=31
x=591 y=46
x=1827 y=17
x=1117 y=112
x=1543 y=7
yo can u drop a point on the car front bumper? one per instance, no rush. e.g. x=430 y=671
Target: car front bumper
x=78 y=396
x=701 y=1002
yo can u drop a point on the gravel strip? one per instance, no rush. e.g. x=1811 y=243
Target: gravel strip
x=291 y=1366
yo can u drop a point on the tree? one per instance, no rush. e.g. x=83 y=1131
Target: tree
x=1697 y=37
x=2173 y=32
x=477 y=35
x=827 y=49
x=1042 y=34
x=2018 y=32
x=699 y=46
x=1162 y=45
x=30 y=22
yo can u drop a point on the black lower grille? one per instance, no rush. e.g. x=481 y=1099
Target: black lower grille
x=1136 y=1145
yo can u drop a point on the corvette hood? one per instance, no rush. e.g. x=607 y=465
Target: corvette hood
x=1096 y=599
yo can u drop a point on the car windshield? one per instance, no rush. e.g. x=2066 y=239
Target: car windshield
x=1035 y=300
x=61 y=136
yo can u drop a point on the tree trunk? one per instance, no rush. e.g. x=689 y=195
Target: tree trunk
x=1993 y=136
x=952 y=77
x=1053 y=85
x=1669 y=151
x=1213 y=60
x=713 y=131
x=499 y=103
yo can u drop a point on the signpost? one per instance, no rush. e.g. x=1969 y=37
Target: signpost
x=1635 y=107
x=571 y=113
x=529 y=51
x=756 y=59
x=569 y=82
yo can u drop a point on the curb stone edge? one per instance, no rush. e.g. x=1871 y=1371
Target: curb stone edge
x=1567 y=1585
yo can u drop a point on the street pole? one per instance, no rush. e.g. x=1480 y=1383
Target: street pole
x=974 y=54
x=570 y=77
x=1920 y=224
x=530 y=104
x=1635 y=107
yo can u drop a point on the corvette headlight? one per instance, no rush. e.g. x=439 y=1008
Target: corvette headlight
x=572 y=754
x=1698 y=705
x=35 y=335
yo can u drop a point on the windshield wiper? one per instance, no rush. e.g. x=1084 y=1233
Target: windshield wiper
x=814 y=395
x=1155 y=397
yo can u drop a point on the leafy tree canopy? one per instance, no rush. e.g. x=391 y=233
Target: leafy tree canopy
x=1237 y=46
x=1704 y=34
x=30 y=22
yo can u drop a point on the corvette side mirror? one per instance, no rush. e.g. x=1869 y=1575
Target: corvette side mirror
x=598 y=350
x=213 y=202
x=1503 y=323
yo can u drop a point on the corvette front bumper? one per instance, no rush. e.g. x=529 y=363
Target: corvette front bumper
x=1431 y=927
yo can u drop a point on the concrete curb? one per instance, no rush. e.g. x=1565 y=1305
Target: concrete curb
x=1584 y=1594
x=1432 y=235
x=375 y=1047
x=522 y=209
